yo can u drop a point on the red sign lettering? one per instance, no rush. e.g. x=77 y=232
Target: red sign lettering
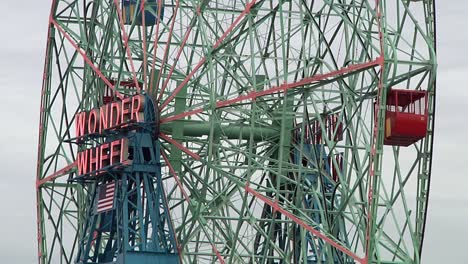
x=110 y=115
x=95 y=159
x=80 y=124
x=82 y=161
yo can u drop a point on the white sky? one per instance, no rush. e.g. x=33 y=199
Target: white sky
x=22 y=48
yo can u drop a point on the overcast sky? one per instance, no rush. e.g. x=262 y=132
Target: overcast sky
x=22 y=48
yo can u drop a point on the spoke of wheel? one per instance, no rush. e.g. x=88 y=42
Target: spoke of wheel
x=145 y=54
x=179 y=146
x=166 y=50
x=127 y=48
x=176 y=177
x=155 y=48
x=61 y=172
x=279 y=89
x=202 y=61
x=87 y=60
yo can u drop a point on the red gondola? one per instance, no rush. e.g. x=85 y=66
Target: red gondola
x=406 y=117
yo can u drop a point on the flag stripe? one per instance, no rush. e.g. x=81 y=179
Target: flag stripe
x=106 y=200
x=105 y=203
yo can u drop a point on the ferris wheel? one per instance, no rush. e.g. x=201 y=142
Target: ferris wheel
x=282 y=131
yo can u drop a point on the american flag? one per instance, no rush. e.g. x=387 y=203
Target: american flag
x=106 y=197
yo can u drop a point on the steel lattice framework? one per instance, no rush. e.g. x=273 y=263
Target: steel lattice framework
x=269 y=130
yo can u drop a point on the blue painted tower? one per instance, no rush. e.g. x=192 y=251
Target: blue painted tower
x=314 y=154
x=127 y=219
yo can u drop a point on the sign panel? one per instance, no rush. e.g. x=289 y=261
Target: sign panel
x=99 y=121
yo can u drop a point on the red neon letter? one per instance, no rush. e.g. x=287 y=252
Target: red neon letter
x=114 y=152
x=114 y=114
x=103 y=118
x=93 y=120
x=137 y=107
x=104 y=155
x=94 y=159
x=82 y=160
x=80 y=124
x=126 y=111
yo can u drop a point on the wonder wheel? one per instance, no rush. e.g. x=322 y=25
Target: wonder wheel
x=236 y=131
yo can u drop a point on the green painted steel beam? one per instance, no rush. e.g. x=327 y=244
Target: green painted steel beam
x=192 y=128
